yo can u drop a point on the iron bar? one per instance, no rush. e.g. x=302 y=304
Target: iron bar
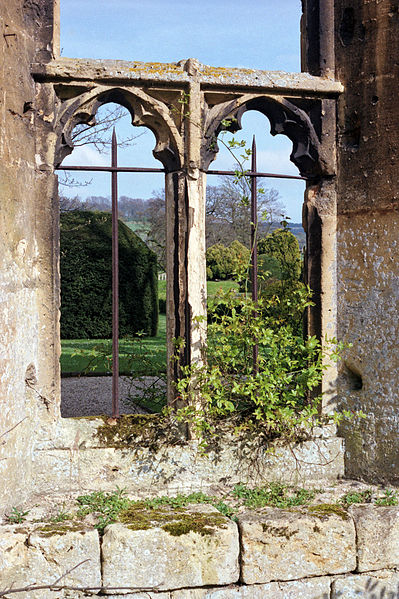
x=253 y=173
x=111 y=169
x=114 y=169
x=115 y=281
x=142 y=169
x=254 y=249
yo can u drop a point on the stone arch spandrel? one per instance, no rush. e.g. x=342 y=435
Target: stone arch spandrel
x=145 y=112
x=285 y=118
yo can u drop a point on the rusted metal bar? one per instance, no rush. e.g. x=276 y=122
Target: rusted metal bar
x=253 y=173
x=111 y=169
x=139 y=169
x=115 y=281
x=254 y=249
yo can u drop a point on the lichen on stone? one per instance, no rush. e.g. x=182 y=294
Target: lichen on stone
x=278 y=531
x=322 y=510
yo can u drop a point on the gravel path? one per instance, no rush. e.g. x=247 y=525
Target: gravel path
x=92 y=395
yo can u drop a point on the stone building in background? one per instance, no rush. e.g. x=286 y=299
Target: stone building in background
x=341 y=116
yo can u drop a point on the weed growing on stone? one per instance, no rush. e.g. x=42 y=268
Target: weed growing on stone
x=389 y=498
x=106 y=506
x=357 y=497
x=16 y=516
x=61 y=516
x=272 y=400
x=273 y=494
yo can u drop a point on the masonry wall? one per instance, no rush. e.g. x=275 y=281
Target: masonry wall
x=27 y=351
x=313 y=552
x=367 y=63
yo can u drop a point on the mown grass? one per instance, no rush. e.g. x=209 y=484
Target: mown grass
x=212 y=287
x=138 y=356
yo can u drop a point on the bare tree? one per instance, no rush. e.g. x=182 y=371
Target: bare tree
x=227 y=215
x=156 y=233
x=228 y=212
x=99 y=136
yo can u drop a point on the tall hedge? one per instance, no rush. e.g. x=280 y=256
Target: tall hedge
x=86 y=279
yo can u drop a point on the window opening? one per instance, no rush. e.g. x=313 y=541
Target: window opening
x=247 y=171
x=252 y=173
x=152 y=348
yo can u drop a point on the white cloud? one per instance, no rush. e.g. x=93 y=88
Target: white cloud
x=87 y=156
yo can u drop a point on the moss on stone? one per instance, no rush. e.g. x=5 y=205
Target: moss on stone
x=176 y=522
x=323 y=510
x=57 y=528
x=202 y=524
x=138 y=431
x=278 y=531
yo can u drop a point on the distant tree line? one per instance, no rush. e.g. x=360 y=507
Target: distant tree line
x=227 y=214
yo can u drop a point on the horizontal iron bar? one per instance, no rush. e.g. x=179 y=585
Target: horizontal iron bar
x=252 y=174
x=139 y=169
x=112 y=169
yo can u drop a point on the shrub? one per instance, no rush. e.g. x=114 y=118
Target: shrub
x=86 y=278
x=224 y=262
x=279 y=279
x=226 y=386
x=282 y=247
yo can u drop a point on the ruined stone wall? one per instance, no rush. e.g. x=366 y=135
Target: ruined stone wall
x=367 y=63
x=27 y=351
x=313 y=552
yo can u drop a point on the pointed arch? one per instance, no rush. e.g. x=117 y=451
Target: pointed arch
x=285 y=118
x=144 y=110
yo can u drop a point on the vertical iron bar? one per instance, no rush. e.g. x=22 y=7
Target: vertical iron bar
x=115 y=282
x=254 y=248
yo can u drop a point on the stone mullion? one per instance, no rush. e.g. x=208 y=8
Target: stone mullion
x=320 y=223
x=196 y=194
x=186 y=267
x=176 y=269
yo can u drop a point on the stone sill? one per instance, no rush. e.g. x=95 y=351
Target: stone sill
x=72 y=457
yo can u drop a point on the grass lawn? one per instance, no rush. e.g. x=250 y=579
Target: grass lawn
x=212 y=287
x=137 y=356
x=141 y=356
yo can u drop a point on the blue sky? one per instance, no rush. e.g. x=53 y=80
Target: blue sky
x=256 y=34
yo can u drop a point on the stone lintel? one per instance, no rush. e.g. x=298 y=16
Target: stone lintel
x=180 y=73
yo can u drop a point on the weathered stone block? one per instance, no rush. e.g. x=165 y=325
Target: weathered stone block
x=381 y=585
x=63 y=546
x=190 y=548
x=73 y=460
x=41 y=557
x=264 y=591
x=377 y=537
x=13 y=555
x=286 y=545
x=144 y=595
x=313 y=588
